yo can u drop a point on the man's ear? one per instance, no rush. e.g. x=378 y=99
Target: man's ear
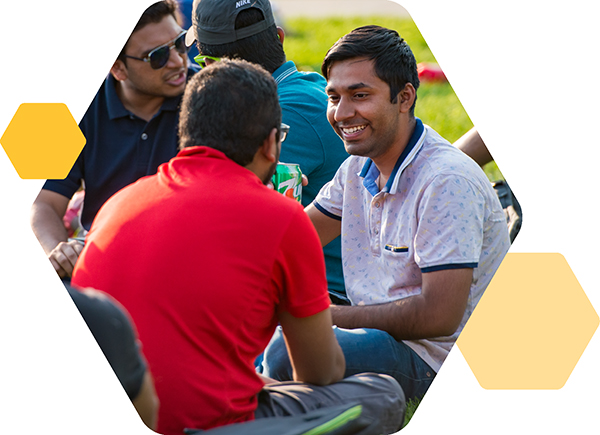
x=269 y=147
x=406 y=98
x=119 y=70
x=280 y=34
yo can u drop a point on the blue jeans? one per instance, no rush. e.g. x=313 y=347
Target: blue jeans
x=365 y=350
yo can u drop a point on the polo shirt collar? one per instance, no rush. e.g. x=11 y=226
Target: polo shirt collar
x=284 y=71
x=171 y=103
x=369 y=172
x=115 y=106
x=201 y=150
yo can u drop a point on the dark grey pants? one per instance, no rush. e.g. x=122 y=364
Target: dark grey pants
x=381 y=397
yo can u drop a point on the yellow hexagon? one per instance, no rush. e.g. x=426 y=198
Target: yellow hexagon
x=530 y=327
x=42 y=141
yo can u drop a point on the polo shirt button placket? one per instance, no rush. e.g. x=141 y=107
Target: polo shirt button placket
x=375 y=225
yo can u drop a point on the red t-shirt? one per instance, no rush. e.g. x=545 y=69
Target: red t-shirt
x=202 y=255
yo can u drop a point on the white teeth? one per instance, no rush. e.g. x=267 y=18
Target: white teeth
x=354 y=129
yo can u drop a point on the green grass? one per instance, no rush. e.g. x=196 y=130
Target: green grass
x=411 y=407
x=307 y=41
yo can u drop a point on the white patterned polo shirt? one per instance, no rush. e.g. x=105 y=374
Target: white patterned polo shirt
x=437 y=211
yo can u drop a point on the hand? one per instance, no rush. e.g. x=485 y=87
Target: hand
x=64 y=256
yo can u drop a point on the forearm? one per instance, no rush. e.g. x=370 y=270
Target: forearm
x=146 y=403
x=328 y=374
x=472 y=145
x=48 y=226
x=315 y=355
x=404 y=319
x=436 y=312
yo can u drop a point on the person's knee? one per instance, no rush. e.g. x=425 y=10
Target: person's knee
x=367 y=350
x=394 y=389
x=382 y=398
x=383 y=384
x=392 y=402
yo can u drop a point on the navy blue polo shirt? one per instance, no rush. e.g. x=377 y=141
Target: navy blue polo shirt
x=120 y=148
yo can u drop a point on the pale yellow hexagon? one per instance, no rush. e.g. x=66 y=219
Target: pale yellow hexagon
x=530 y=327
x=42 y=141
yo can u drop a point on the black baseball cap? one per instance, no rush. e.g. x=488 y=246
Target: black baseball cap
x=213 y=21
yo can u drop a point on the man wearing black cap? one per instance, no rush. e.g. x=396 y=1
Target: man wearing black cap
x=247 y=30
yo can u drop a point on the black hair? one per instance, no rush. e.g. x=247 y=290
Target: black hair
x=153 y=14
x=394 y=62
x=264 y=48
x=231 y=106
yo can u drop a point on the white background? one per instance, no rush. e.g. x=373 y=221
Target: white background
x=526 y=72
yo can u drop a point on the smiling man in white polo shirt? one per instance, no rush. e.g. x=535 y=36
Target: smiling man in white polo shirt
x=422 y=230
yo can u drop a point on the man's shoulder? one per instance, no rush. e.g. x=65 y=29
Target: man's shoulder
x=351 y=168
x=303 y=101
x=289 y=80
x=105 y=93
x=307 y=85
x=105 y=106
x=444 y=158
x=274 y=202
x=210 y=170
x=310 y=77
x=440 y=162
x=355 y=162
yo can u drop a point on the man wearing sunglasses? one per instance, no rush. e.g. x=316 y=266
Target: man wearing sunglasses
x=130 y=129
x=247 y=30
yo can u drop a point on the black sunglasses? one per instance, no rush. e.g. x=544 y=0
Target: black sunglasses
x=160 y=55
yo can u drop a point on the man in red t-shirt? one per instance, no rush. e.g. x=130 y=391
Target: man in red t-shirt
x=208 y=260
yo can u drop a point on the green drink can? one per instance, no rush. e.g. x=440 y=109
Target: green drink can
x=287 y=180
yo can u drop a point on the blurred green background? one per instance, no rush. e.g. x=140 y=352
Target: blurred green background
x=308 y=39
